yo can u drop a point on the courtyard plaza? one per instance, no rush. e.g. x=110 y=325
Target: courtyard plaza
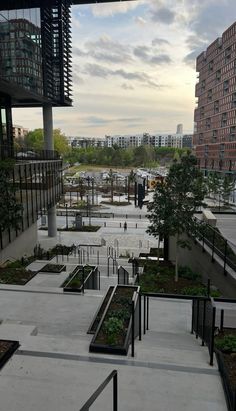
x=53 y=369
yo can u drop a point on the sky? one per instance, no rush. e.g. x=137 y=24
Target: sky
x=134 y=66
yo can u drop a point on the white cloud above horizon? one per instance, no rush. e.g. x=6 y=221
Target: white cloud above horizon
x=133 y=65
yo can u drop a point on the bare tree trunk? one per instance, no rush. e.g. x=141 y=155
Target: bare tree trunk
x=176 y=258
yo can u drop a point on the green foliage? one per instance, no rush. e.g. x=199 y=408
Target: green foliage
x=35 y=140
x=186 y=272
x=113 y=327
x=198 y=290
x=121 y=314
x=10 y=208
x=226 y=344
x=175 y=201
x=123 y=157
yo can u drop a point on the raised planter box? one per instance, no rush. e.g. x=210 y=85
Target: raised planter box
x=16 y=276
x=53 y=268
x=114 y=331
x=230 y=391
x=7 y=349
x=97 y=318
x=81 y=278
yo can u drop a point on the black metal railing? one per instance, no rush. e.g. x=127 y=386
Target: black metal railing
x=25 y=153
x=230 y=392
x=218 y=244
x=123 y=276
x=112 y=376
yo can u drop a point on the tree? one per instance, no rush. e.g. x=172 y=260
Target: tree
x=35 y=140
x=175 y=201
x=227 y=187
x=214 y=183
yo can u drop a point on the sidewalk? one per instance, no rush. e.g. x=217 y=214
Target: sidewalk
x=53 y=369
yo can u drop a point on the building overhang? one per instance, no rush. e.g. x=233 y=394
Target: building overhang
x=21 y=97
x=21 y=4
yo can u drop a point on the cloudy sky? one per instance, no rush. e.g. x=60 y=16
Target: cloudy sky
x=134 y=65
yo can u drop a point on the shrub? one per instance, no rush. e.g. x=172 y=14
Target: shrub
x=113 y=326
x=226 y=344
x=187 y=273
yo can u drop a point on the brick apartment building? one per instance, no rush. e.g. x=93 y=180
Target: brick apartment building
x=215 y=115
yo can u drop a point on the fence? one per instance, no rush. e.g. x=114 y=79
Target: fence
x=113 y=376
x=218 y=244
x=123 y=276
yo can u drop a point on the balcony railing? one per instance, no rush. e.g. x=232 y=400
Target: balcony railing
x=27 y=153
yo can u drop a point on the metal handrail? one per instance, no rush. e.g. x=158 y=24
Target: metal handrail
x=112 y=376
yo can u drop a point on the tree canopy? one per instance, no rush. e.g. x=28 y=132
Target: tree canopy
x=142 y=156
x=35 y=140
x=175 y=201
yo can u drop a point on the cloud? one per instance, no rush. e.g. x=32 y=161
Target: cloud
x=149 y=55
x=159 y=42
x=105 y=49
x=106 y=10
x=140 y=20
x=97 y=70
x=163 y=15
x=126 y=86
x=207 y=21
x=95 y=121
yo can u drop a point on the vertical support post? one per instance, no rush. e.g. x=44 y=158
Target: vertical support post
x=192 y=316
x=197 y=319
x=83 y=279
x=52 y=222
x=203 y=322
x=225 y=257
x=147 y=313
x=208 y=287
x=144 y=314
x=133 y=319
x=140 y=316
x=212 y=335
x=221 y=320
x=108 y=266
x=115 y=393
x=213 y=246
x=66 y=216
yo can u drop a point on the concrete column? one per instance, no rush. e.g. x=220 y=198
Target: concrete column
x=49 y=145
x=48 y=127
x=52 y=222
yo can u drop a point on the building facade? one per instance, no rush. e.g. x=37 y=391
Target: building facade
x=215 y=115
x=35 y=71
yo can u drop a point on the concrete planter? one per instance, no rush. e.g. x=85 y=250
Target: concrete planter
x=13 y=345
x=99 y=341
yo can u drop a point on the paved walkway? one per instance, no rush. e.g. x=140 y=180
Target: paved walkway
x=53 y=369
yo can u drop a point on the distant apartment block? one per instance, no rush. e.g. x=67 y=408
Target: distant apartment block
x=158 y=140
x=19 y=132
x=215 y=115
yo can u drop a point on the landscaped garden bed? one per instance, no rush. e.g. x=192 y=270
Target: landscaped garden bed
x=98 y=316
x=79 y=278
x=15 y=276
x=225 y=348
x=160 y=278
x=113 y=334
x=7 y=348
x=53 y=268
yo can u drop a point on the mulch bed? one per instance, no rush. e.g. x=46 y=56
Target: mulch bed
x=53 y=268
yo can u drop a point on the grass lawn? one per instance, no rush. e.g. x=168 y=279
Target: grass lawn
x=88 y=167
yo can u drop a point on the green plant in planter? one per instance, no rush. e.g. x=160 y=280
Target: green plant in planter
x=121 y=314
x=113 y=326
x=226 y=344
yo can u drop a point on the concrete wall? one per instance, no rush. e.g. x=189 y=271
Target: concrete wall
x=200 y=262
x=24 y=244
